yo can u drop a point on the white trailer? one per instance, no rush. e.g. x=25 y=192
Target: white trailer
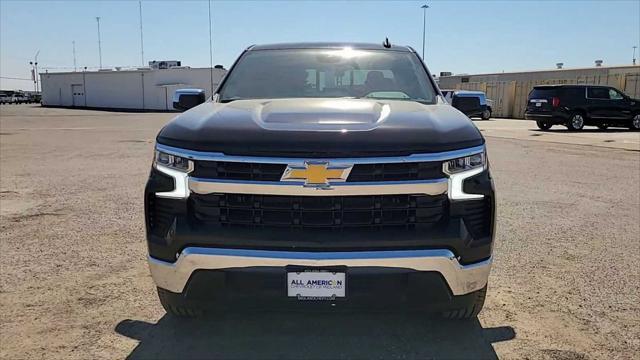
x=138 y=89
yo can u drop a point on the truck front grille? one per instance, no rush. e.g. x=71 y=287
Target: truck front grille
x=396 y=172
x=238 y=170
x=360 y=173
x=322 y=212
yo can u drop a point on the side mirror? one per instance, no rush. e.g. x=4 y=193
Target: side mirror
x=185 y=99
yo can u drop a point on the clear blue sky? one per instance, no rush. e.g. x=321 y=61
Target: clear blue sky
x=462 y=36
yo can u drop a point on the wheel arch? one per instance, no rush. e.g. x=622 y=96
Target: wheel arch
x=582 y=111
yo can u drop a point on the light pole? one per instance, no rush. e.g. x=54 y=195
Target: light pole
x=99 y=42
x=210 y=50
x=141 y=38
x=34 y=69
x=75 y=67
x=424 y=26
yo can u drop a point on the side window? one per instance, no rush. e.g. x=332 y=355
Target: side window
x=577 y=94
x=614 y=95
x=598 y=93
x=315 y=79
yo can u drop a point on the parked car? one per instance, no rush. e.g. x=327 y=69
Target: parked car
x=575 y=106
x=321 y=175
x=471 y=103
x=6 y=97
x=21 y=98
x=35 y=98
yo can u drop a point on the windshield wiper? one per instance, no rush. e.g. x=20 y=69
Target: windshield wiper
x=233 y=98
x=420 y=100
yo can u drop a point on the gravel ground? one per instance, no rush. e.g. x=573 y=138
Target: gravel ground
x=74 y=281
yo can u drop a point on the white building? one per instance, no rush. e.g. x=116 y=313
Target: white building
x=136 y=89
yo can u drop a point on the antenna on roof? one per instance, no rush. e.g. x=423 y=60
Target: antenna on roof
x=386 y=43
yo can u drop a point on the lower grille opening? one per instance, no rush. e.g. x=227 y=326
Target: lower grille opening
x=161 y=214
x=321 y=212
x=477 y=217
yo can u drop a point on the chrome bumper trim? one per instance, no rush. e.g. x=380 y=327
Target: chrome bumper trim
x=462 y=279
x=209 y=186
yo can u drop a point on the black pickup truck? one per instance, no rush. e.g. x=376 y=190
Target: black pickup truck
x=321 y=175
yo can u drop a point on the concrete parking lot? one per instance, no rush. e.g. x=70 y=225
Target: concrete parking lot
x=614 y=138
x=75 y=284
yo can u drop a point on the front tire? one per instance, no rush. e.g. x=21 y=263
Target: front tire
x=486 y=115
x=576 y=122
x=470 y=311
x=635 y=123
x=543 y=125
x=177 y=306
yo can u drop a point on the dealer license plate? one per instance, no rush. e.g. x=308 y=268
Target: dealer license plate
x=316 y=285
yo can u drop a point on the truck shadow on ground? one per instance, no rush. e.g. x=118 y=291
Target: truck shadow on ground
x=279 y=335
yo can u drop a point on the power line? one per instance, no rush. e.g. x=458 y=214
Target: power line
x=14 y=78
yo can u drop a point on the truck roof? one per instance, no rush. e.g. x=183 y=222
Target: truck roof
x=328 y=45
x=556 y=86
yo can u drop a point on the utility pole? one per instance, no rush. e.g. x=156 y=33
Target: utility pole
x=33 y=76
x=424 y=26
x=141 y=37
x=75 y=67
x=34 y=70
x=99 y=42
x=634 y=54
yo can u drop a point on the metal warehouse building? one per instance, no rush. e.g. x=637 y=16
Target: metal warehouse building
x=136 y=89
x=509 y=91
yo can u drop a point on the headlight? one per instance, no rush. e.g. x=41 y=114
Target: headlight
x=466 y=163
x=173 y=162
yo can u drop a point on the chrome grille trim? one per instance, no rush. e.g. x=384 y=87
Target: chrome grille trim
x=451 y=185
x=209 y=186
x=215 y=156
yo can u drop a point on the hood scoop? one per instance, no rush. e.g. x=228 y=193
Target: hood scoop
x=339 y=115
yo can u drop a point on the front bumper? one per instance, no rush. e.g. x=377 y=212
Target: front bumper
x=196 y=253
x=461 y=279
x=555 y=118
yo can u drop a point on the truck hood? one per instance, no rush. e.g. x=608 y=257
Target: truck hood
x=321 y=128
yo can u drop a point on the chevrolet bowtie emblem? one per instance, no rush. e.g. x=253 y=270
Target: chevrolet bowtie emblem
x=317 y=174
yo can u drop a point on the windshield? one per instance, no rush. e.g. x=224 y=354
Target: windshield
x=328 y=73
